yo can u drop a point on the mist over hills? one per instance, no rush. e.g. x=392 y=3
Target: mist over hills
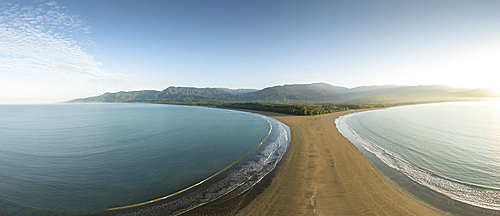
x=315 y=93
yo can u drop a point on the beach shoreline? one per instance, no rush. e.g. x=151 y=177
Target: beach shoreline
x=412 y=185
x=307 y=184
x=321 y=174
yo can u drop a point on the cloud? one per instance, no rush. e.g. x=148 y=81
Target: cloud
x=52 y=3
x=46 y=39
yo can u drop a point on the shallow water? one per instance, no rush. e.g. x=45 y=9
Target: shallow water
x=451 y=148
x=92 y=157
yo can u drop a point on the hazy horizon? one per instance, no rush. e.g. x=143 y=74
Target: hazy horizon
x=54 y=51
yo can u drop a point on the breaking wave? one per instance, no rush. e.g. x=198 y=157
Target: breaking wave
x=230 y=182
x=471 y=194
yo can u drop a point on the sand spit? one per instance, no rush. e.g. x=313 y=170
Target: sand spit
x=322 y=174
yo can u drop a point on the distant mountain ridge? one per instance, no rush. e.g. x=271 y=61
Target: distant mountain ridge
x=299 y=93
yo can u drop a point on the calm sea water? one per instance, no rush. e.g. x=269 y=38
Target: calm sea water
x=452 y=148
x=91 y=157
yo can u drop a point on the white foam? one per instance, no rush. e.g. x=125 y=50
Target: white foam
x=473 y=195
x=236 y=179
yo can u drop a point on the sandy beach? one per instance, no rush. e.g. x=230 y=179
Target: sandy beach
x=323 y=174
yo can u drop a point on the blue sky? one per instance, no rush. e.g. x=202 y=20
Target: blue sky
x=52 y=51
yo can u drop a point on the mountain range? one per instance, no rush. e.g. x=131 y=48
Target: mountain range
x=315 y=93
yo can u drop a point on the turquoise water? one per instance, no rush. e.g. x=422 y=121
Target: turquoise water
x=451 y=148
x=92 y=157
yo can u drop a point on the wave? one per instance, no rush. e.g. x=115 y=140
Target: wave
x=230 y=182
x=467 y=193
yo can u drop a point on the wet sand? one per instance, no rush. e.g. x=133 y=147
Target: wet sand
x=321 y=174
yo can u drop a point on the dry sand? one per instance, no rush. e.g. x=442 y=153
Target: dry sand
x=324 y=174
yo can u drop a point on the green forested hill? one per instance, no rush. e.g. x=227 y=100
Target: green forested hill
x=239 y=91
x=173 y=92
x=297 y=93
x=277 y=94
x=317 y=93
x=119 y=97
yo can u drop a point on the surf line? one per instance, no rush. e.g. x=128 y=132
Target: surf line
x=197 y=184
x=458 y=191
x=248 y=179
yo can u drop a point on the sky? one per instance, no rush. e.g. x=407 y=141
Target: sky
x=55 y=51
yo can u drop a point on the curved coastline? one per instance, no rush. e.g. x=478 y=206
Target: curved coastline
x=228 y=183
x=195 y=185
x=444 y=194
x=322 y=174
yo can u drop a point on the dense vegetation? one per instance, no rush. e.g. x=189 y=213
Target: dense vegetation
x=294 y=109
x=300 y=99
x=298 y=94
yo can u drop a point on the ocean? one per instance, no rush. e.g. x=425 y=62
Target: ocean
x=451 y=148
x=94 y=158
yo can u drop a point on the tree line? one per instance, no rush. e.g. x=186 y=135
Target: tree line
x=292 y=109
